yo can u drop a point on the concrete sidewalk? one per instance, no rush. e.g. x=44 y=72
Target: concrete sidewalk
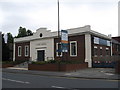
x=89 y=73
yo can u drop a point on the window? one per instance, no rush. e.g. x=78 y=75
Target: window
x=19 y=50
x=117 y=48
x=73 y=48
x=58 y=48
x=107 y=51
x=41 y=34
x=27 y=50
x=101 y=51
x=95 y=51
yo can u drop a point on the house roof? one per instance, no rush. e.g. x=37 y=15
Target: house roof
x=49 y=34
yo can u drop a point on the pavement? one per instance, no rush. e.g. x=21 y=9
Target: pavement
x=89 y=73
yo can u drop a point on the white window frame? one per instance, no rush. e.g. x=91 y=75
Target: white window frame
x=107 y=49
x=71 y=50
x=19 y=54
x=100 y=51
x=26 y=54
x=57 y=49
x=95 y=47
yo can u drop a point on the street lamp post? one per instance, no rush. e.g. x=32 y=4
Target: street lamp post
x=58 y=21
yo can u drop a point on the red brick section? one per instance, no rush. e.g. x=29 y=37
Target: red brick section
x=117 y=38
x=117 y=68
x=80 y=48
x=23 y=57
x=57 y=67
x=98 y=47
x=7 y=65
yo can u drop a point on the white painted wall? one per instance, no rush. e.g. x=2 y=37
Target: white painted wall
x=42 y=44
x=13 y=51
x=88 y=50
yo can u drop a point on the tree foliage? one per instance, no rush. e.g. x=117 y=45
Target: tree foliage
x=29 y=32
x=22 y=32
x=7 y=48
x=10 y=38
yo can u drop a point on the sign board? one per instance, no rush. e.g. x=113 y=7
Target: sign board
x=96 y=40
x=64 y=40
x=108 y=43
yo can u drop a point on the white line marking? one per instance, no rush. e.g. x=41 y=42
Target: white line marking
x=16 y=81
x=57 y=87
x=109 y=74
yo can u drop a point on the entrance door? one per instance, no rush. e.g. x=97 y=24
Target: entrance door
x=41 y=55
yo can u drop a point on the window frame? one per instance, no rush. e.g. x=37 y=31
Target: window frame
x=101 y=51
x=26 y=55
x=19 y=52
x=57 y=49
x=95 y=47
x=71 y=48
x=107 y=52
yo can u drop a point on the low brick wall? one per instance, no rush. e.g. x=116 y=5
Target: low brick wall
x=7 y=65
x=57 y=67
x=117 y=68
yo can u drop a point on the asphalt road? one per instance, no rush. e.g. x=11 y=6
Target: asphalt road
x=14 y=80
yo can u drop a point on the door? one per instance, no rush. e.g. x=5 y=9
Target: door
x=41 y=55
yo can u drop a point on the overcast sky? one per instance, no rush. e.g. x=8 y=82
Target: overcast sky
x=102 y=15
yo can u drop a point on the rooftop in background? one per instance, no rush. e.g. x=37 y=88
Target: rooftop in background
x=116 y=38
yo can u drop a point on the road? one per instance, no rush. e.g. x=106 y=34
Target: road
x=14 y=80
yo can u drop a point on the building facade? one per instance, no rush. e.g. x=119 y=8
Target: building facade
x=116 y=46
x=84 y=44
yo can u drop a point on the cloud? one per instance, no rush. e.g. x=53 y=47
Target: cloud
x=100 y=14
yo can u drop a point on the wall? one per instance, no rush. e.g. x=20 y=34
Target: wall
x=98 y=47
x=22 y=57
x=80 y=48
x=42 y=44
x=57 y=67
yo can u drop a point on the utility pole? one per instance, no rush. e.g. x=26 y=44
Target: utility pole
x=58 y=21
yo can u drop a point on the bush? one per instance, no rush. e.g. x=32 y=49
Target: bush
x=39 y=62
x=13 y=62
x=58 y=62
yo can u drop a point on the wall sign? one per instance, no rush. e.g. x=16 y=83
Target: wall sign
x=101 y=41
x=96 y=40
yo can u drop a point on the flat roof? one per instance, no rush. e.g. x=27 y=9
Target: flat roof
x=71 y=32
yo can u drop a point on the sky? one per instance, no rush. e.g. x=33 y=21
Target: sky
x=101 y=15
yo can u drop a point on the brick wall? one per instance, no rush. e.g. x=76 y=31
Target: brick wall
x=80 y=48
x=22 y=57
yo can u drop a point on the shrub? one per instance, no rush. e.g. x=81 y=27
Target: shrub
x=58 y=62
x=39 y=62
x=13 y=62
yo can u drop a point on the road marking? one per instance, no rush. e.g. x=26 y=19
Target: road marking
x=109 y=74
x=57 y=87
x=16 y=81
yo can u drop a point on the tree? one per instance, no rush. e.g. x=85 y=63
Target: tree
x=7 y=48
x=10 y=38
x=22 y=32
x=29 y=32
